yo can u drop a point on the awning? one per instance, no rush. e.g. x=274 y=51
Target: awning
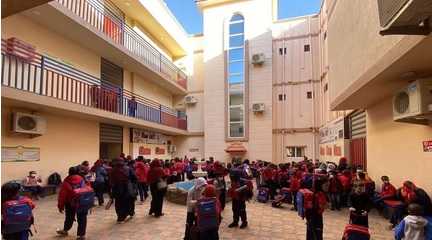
x=236 y=148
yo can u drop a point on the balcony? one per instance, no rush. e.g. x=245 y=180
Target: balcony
x=100 y=25
x=26 y=70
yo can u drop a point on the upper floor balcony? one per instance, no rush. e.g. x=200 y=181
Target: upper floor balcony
x=38 y=75
x=101 y=26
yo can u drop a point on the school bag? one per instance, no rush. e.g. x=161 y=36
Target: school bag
x=82 y=197
x=54 y=179
x=356 y=232
x=359 y=218
x=263 y=195
x=17 y=216
x=304 y=201
x=207 y=216
x=287 y=195
x=247 y=193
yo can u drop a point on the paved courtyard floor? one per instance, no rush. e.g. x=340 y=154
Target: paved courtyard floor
x=265 y=222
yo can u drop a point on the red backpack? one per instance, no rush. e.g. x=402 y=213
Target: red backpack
x=17 y=216
x=207 y=214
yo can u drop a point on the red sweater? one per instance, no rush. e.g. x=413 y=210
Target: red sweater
x=66 y=191
x=141 y=170
x=387 y=191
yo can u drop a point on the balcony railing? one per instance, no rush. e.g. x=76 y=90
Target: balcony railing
x=26 y=70
x=108 y=19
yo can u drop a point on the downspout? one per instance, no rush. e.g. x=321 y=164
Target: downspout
x=313 y=92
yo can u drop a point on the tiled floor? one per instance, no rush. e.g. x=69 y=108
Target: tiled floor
x=265 y=222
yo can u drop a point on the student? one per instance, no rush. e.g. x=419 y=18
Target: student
x=101 y=176
x=194 y=194
x=13 y=227
x=334 y=191
x=359 y=197
x=142 y=169
x=157 y=180
x=314 y=215
x=388 y=191
x=123 y=184
x=295 y=187
x=32 y=183
x=412 y=227
x=240 y=191
x=220 y=172
x=66 y=203
x=212 y=220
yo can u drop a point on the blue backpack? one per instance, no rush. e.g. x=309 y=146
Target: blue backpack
x=83 y=197
x=206 y=214
x=304 y=199
x=17 y=216
x=263 y=195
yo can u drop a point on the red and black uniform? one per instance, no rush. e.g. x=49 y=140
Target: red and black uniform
x=141 y=171
x=314 y=217
x=388 y=191
x=239 y=192
x=65 y=203
x=156 y=175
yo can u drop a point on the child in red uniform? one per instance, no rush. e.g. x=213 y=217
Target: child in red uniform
x=314 y=216
x=141 y=171
x=65 y=204
x=240 y=191
x=9 y=193
x=211 y=234
x=295 y=186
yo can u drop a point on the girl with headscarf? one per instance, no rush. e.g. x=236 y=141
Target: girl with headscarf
x=157 y=180
x=123 y=184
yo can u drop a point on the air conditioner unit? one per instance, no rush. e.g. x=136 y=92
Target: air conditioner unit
x=172 y=148
x=190 y=100
x=258 y=59
x=405 y=16
x=28 y=123
x=411 y=104
x=258 y=107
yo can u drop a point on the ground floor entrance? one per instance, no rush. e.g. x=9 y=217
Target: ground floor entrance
x=111 y=141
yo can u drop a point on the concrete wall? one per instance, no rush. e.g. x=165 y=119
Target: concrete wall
x=258 y=35
x=395 y=149
x=351 y=25
x=190 y=146
x=67 y=142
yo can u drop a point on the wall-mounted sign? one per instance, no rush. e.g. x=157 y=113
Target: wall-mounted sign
x=144 y=151
x=160 y=151
x=427 y=146
x=329 y=151
x=337 y=150
x=193 y=149
x=322 y=151
x=149 y=137
x=332 y=131
x=20 y=154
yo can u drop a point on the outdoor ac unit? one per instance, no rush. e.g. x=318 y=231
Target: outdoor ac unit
x=172 y=148
x=405 y=16
x=411 y=104
x=28 y=123
x=258 y=107
x=258 y=59
x=190 y=100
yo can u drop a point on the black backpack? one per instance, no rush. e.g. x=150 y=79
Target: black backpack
x=54 y=179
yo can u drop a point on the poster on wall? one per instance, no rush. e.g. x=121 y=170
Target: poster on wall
x=427 y=146
x=149 y=137
x=20 y=154
x=144 y=151
x=160 y=151
x=337 y=150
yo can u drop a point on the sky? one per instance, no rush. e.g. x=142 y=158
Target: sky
x=191 y=18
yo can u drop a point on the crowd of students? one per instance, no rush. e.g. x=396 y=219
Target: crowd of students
x=298 y=183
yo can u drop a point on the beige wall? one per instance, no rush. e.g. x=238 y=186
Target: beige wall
x=395 y=149
x=354 y=43
x=258 y=34
x=50 y=43
x=67 y=142
x=191 y=146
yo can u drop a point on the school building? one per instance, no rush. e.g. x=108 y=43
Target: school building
x=96 y=78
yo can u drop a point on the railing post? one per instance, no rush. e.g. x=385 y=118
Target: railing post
x=160 y=113
x=42 y=74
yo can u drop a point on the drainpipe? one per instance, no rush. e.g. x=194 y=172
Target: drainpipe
x=313 y=92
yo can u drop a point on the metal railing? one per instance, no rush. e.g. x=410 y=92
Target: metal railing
x=109 y=19
x=42 y=75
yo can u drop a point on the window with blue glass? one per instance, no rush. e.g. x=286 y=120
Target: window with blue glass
x=236 y=77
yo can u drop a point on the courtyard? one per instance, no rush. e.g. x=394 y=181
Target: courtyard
x=265 y=222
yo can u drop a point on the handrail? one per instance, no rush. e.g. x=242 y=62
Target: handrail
x=46 y=76
x=109 y=19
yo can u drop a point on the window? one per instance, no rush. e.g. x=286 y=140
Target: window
x=307 y=48
x=295 y=151
x=309 y=95
x=325 y=35
x=236 y=76
x=325 y=87
x=282 y=97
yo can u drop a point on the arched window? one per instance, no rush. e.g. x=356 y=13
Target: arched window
x=236 y=77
